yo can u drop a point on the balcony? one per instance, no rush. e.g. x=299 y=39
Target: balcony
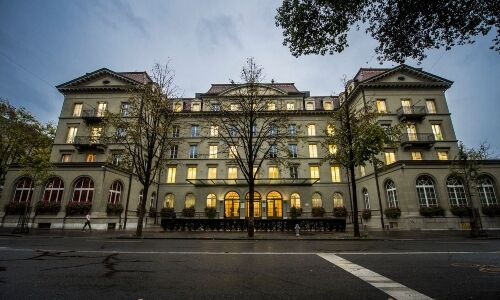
x=92 y=116
x=85 y=143
x=412 y=113
x=417 y=140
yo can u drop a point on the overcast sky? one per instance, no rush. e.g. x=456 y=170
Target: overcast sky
x=45 y=43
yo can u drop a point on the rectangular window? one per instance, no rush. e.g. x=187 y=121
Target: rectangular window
x=214 y=130
x=232 y=173
x=254 y=129
x=175 y=131
x=124 y=109
x=193 y=151
x=233 y=150
x=294 y=172
x=416 y=155
x=314 y=170
x=101 y=109
x=90 y=157
x=77 y=109
x=271 y=106
x=332 y=149
x=195 y=107
x=390 y=157
x=234 y=107
x=274 y=173
x=443 y=155
x=330 y=129
x=178 y=106
x=273 y=151
x=309 y=105
x=174 y=149
x=362 y=171
x=290 y=106
x=292 y=129
x=335 y=173
x=212 y=151
x=195 y=130
x=313 y=151
x=431 y=106
x=191 y=173
x=411 y=129
x=406 y=104
x=116 y=159
x=212 y=173
x=311 y=130
x=327 y=105
x=293 y=150
x=255 y=173
x=70 y=137
x=66 y=158
x=436 y=129
x=381 y=107
x=95 y=132
x=171 y=171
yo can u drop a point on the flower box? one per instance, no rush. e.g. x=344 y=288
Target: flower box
x=432 y=211
x=461 y=211
x=491 y=210
x=188 y=212
x=152 y=212
x=210 y=212
x=15 y=208
x=366 y=214
x=317 y=212
x=167 y=212
x=340 y=212
x=78 y=208
x=45 y=207
x=114 y=209
x=295 y=212
x=392 y=212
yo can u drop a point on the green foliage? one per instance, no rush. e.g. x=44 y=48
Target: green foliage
x=461 y=211
x=340 y=212
x=295 y=212
x=114 y=209
x=188 y=212
x=78 y=208
x=46 y=207
x=403 y=29
x=167 y=212
x=366 y=214
x=15 y=208
x=210 y=212
x=491 y=210
x=433 y=211
x=392 y=212
x=317 y=212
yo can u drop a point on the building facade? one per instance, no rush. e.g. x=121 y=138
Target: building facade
x=416 y=173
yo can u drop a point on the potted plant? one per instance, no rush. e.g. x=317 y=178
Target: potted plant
x=366 y=214
x=114 y=209
x=392 y=212
x=431 y=211
x=295 y=212
x=15 y=208
x=340 y=212
x=46 y=207
x=152 y=212
x=78 y=208
x=317 y=211
x=167 y=212
x=491 y=210
x=461 y=211
x=188 y=212
x=210 y=212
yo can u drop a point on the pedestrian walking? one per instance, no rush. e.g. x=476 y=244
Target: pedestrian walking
x=87 y=222
x=297 y=230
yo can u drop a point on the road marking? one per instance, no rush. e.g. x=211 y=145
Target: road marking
x=386 y=285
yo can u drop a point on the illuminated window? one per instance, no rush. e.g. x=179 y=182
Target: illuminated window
x=232 y=173
x=390 y=157
x=290 y=106
x=90 y=157
x=171 y=171
x=195 y=106
x=436 y=129
x=257 y=198
x=234 y=107
x=274 y=205
x=313 y=151
x=416 y=155
x=335 y=170
x=442 y=155
x=316 y=200
x=178 y=107
x=212 y=151
x=314 y=170
x=411 y=129
x=83 y=190
x=65 y=158
x=191 y=174
x=212 y=173
x=330 y=129
x=406 y=104
x=311 y=130
x=214 y=130
x=77 y=109
x=295 y=200
x=189 y=201
x=101 y=109
x=309 y=105
x=233 y=150
x=271 y=106
x=169 y=200
x=274 y=173
x=327 y=105
x=70 y=137
x=211 y=200
x=431 y=106
x=232 y=205
x=362 y=171
x=332 y=149
x=338 y=200
x=255 y=173
x=381 y=107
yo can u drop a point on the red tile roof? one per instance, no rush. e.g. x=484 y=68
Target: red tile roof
x=366 y=73
x=286 y=87
x=141 y=77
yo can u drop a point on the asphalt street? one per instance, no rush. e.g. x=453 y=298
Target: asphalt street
x=45 y=267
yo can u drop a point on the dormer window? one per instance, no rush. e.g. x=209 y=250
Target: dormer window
x=310 y=105
x=178 y=107
x=327 y=105
x=195 y=106
x=271 y=106
x=290 y=106
x=215 y=106
x=234 y=107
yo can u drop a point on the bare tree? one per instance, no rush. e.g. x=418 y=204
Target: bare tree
x=143 y=130
x=251 y=127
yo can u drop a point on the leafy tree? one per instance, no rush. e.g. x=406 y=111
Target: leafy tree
x=249 y=130
x=357 y=138
x=144 y=131
x=403 y=28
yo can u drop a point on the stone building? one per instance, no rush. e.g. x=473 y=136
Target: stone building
x=416 y=173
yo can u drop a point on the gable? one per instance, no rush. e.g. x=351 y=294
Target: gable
x=262 y=91
x=105 y=80
x=99 y=79
x=406 y=74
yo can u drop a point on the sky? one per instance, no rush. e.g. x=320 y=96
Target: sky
x=45 y=43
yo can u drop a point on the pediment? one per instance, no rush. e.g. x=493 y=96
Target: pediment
x=261 y=91
x=106 y=80
x=406 y=74
x=102 y=78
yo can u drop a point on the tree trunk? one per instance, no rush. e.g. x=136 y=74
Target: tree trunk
x=251 y=217
x=354 y=201
x=142 y=211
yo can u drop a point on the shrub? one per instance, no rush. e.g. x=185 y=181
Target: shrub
x=340 y=212
x=295 y=212
x=318 y=211
x=152 y=212
x=392 y=212
x=432 y=211
x=78 y=208
x=45 y=207
x=461 y=211
x=188 y=212
x=366 y=214
x=15 y=208
x=167 y=212
x=491 y=210
x=210 y=212
x=114 y=209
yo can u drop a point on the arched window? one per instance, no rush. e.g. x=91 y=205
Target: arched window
x=83 y=190
x=456 y=191
x=426 y=192
x=316 y=200
x=115 y=192
x=274 y=205
x=53 y=190
x=338 y=200
x=152 y=200
x=169 y=200
x=189 y=201
x=24 y=190
x=232 y=205
x=295 y=200
x=211 y=200
x=366 y=198
x=256 y=204
x=390 y=191
x=486 y=191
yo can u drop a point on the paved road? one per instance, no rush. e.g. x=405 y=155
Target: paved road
x=44 y=267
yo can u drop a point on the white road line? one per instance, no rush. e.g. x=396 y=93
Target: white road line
x=386 y=285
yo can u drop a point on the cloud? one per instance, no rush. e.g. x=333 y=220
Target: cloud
x=219 y=31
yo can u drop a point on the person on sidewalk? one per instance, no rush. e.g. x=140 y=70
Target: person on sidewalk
x=87 y=222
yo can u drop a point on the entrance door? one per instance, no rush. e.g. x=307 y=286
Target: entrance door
x=232 y=205
x=274 y=205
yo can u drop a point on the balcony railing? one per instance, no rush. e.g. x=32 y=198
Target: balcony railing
x=411 y=113
x=89 y=142
x=417 y=140
x=92 y=115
